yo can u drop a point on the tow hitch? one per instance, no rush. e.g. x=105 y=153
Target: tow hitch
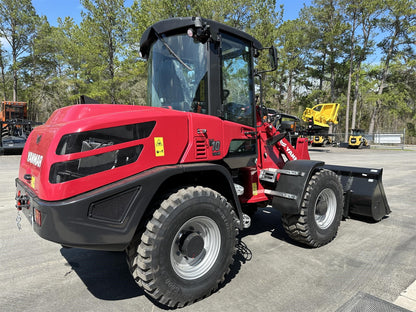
x=22 y=201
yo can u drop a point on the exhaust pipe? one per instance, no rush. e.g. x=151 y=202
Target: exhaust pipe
x=364 y=192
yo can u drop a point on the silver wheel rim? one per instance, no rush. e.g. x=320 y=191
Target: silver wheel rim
x=193 y=268
x=325 y=208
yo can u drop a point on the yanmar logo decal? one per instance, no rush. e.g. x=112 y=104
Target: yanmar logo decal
x=288 y=150
x=34 y=159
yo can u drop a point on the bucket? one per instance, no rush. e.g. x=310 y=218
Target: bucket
x=364 y=192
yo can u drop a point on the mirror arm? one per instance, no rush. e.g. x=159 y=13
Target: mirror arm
x=261 y=105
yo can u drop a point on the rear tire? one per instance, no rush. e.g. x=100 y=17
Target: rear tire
x=321 y=211
x=187 y=247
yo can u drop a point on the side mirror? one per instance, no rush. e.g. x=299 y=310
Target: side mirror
x=272 y=60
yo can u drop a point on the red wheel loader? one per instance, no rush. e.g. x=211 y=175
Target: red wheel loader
x=172 y=183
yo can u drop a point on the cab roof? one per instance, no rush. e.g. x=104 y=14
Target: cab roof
x=182 y=24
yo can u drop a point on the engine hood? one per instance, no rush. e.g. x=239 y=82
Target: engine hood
x=83 y=147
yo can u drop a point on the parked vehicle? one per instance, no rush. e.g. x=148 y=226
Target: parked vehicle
x=172 y=183
x=15 y=126
x=319 y=119
x=357 y=139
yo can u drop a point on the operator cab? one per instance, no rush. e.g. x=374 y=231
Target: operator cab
x=201 y=66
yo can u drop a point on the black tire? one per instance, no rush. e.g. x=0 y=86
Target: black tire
x=187 y=247
x=321 y=211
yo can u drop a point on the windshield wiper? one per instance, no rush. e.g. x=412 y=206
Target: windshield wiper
x=172 y=52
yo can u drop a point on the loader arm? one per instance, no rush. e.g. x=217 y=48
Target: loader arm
x=291 y=170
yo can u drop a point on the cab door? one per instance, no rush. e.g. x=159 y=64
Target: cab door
x=237 y=100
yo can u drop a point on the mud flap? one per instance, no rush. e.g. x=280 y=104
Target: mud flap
x=364 y=192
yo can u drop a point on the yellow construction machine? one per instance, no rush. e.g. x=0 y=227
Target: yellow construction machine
x=319 y=119
x=357 y=139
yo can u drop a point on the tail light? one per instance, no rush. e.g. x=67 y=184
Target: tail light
x=38 y=217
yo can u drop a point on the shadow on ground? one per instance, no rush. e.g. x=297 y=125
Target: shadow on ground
x=105 y=273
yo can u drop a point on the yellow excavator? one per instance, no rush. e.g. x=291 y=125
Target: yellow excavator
x=319 y=119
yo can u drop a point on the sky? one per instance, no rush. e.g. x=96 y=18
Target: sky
x=53 y=9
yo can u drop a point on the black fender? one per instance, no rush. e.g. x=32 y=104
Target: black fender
x=210 y=175
x=223 y=183
x=292 y=184
x=106 y=218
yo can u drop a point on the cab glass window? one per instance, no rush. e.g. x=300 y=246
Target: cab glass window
x=237 y=81
x=177 y=74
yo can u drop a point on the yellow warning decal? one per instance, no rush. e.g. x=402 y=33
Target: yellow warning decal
x=254 y=187
x=159 y=148
x=32 y=182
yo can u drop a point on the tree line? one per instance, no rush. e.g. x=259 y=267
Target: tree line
x=360 y=54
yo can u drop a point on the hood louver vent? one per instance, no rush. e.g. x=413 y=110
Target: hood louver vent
x=200 y=148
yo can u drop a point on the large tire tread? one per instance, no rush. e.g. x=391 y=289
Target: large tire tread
x=298 y=227
x=140 y=259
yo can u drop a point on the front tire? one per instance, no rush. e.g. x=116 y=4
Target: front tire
x=187 y=247
x=321 y=211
